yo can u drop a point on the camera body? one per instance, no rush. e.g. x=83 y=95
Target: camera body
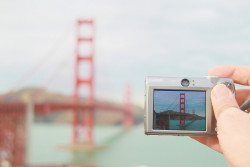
x=181 y=106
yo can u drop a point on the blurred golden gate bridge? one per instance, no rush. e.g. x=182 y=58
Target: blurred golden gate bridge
x=14 y=115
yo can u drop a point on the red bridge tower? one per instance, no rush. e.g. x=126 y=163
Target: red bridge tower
x=87 y=122
x=182 y=110
x=128 y=117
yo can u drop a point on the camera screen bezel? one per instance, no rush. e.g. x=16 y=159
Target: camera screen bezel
x=163 y=83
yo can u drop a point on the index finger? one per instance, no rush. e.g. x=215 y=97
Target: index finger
x=240 y=74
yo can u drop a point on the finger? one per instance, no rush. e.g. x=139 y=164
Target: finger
x=211 y=142
x=242 y=95
x=222 y=99
x=240 y=74
x=232 y=125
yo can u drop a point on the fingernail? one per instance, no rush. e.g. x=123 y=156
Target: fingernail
x=220 y=91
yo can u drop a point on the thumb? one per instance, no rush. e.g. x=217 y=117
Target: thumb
x=222 y=99
x=232 y=125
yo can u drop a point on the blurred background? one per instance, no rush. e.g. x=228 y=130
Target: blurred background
x=131 y=40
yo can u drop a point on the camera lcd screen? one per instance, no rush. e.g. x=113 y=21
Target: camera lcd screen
x=179 y=110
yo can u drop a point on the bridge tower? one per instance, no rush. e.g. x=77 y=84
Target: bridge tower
x=128 y=117
x=82 y=57
x=193 y=114
x=182 y=109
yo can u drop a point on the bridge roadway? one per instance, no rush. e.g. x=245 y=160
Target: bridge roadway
x=46 y=108
x=174 y=113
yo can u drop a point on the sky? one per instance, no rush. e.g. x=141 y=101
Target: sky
x=134 y=39
x=170 y=100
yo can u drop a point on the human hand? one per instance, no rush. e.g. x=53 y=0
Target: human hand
x=233 y=125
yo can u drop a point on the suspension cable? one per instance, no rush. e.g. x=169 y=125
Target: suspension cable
x=39 y=64
x=172 y=103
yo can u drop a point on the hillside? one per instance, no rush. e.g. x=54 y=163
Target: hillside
x=176 y=115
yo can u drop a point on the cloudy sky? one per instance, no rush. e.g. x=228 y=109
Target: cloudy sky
x=134 y=39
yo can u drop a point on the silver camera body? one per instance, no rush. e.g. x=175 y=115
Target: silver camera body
x=181 y=106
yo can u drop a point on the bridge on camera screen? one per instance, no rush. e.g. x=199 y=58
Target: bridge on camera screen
x=185 y=116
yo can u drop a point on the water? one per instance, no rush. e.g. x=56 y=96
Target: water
x=125 y=149
x=199 y=125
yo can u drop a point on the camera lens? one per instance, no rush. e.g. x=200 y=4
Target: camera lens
x=185 y=82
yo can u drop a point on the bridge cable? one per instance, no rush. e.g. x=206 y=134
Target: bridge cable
x=175 y=106
x=172 y=103
x=56 y=72
x=38 y=65
x=53 y=75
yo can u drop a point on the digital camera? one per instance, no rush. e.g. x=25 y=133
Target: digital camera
x=181 y=106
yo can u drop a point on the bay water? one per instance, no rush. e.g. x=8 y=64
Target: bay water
x=124 y=148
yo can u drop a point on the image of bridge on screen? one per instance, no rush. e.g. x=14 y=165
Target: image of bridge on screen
x=179 y=110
